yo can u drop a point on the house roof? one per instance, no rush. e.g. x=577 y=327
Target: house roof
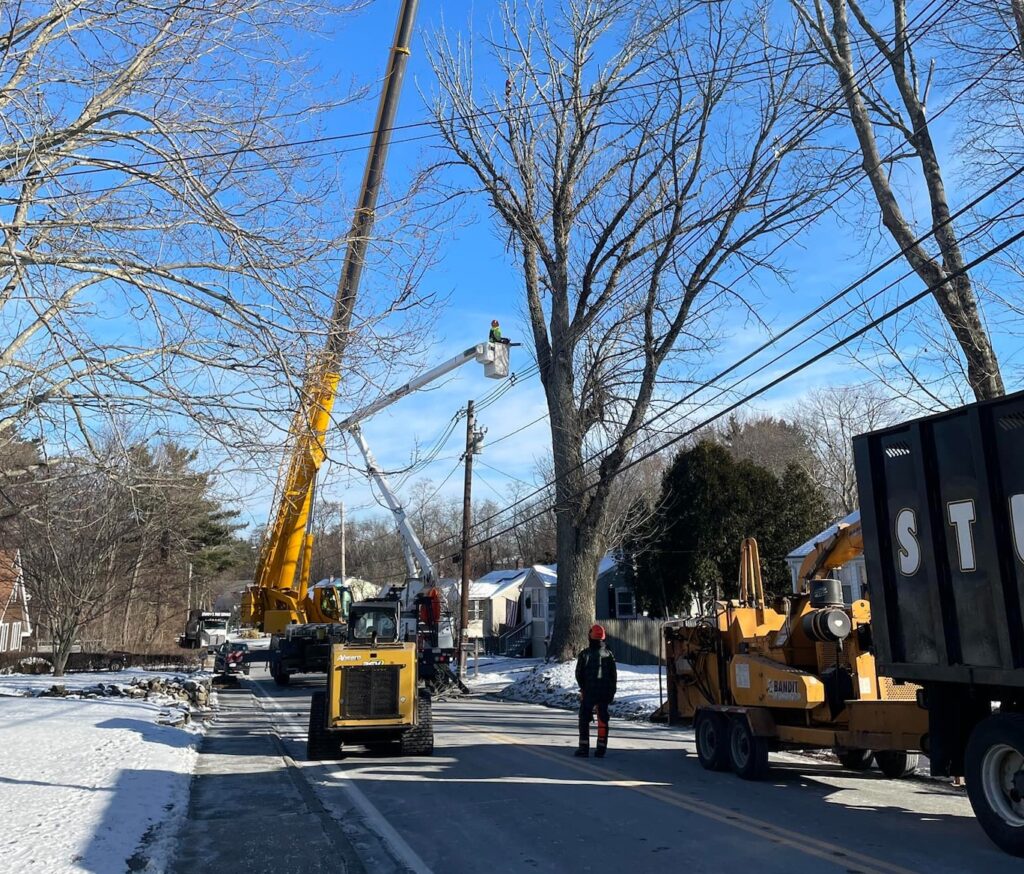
x=500 y=582
x=805 y=549
x=547 y=574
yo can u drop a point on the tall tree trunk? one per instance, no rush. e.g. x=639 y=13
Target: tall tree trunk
x=128 y=598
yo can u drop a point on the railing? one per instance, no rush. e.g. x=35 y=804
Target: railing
x=514 y=640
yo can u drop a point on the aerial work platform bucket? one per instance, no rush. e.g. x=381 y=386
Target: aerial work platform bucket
x=496 y=361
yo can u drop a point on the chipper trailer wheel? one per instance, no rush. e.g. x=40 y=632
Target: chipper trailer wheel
x=748 y=754
x=995 y=779
x=854 y=760
x=895 y=764
x=711 y=731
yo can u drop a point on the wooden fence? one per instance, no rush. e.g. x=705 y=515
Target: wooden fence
x=634 y=641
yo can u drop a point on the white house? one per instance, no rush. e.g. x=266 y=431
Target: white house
x=853 y=574
x=494 y=601
x=615 y=598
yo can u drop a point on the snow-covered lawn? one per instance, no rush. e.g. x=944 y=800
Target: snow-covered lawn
x=554 y=684
x=92 y=784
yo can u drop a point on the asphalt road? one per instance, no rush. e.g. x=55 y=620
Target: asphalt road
x=502 y=793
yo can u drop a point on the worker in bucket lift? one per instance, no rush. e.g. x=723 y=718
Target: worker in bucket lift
x=495 y=335
x=595 y=673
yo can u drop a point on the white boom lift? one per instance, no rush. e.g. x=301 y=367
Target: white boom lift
x=421 y=574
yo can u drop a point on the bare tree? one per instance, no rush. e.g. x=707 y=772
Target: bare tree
x=894 y=107
x=168 y=219
x=832 y=417
x=638 y=168
x=77 y=547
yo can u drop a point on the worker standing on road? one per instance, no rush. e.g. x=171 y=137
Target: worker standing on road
x=595 y=673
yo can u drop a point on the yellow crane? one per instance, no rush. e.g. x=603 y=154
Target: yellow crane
x=278 y=600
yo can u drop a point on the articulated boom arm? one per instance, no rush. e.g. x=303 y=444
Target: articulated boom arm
x=412 y=549
x=493 y=356
x=834 y=550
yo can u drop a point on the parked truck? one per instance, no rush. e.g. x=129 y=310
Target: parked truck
x=204 y=629
x=942 y=513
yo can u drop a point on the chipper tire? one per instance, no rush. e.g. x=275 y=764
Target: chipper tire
x=711 y=731
x=748 y=753
x=419 y=740
x=995 y=779
x=854 y=760
x=895 y=764
x=320 y=744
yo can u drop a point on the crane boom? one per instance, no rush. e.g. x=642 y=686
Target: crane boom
x=277 y=598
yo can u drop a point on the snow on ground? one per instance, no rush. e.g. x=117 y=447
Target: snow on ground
x=491 y=673
x=91 y=784
x=554 y=684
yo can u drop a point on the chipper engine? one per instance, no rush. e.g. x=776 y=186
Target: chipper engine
x=375 y=695
x=795 y=675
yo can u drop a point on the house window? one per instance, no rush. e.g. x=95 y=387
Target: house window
x=476 y=609
x=15 y=636
x=625 y=604
x=552 y=601
x=4 y=629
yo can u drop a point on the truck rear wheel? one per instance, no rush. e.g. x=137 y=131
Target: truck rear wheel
x=711 y=731
x=319 y=742
x=748 y=753
x=419 y=740
x=854 y=760
x=896 y=764
x=995 y=779
x=280 y=675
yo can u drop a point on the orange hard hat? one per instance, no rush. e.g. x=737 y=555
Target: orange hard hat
x=494 y=323
x=597 y=632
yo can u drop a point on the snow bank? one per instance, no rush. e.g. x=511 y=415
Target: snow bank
x=554 y=685
x=91 y=783
x=490 y=672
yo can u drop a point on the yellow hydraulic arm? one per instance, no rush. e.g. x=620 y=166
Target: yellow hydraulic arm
x=277 y=597
x=833 y=550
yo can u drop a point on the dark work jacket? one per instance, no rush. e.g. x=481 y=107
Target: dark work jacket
x=595 y=673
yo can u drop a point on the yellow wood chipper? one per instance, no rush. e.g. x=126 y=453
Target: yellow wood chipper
x=798 y=674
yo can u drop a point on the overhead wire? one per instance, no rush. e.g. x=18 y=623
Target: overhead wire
x=792 y=327
x=817 y=310
x=935 y=19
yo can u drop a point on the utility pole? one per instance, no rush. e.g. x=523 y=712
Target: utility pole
x=474 y=446
x=343 y=575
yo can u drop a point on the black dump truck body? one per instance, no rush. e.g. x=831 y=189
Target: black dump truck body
x=942 y=510
x=942 y=515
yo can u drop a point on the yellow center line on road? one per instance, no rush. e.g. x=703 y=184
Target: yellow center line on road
x=852 y=861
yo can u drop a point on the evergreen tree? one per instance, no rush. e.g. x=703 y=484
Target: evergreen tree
x=709 y=502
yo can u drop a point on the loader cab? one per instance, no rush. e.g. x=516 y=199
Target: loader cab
x=373 y=622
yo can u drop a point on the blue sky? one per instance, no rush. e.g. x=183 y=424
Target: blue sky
x=482 y=282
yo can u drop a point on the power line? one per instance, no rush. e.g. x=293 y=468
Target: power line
x=798 y=323
x=1008 y=241
x=711 y=382
x=773 y=340
x=499 y=113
